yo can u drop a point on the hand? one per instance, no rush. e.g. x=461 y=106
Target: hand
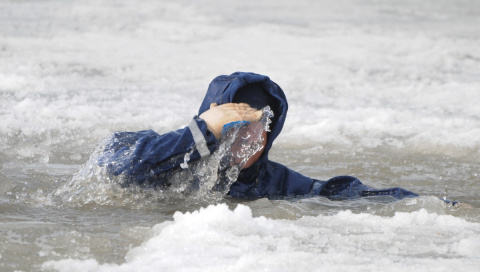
x=218 y=116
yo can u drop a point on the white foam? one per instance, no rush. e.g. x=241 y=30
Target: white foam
x=413 y=87
x=218 y=239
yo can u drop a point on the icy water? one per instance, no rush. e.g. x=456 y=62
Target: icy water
x=386 y=91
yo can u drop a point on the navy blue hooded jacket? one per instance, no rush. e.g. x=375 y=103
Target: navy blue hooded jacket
x=148 y=158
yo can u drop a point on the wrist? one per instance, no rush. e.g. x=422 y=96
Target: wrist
x=215 y=129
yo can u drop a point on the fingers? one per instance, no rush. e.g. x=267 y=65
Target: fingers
x=258 y=115
x=253 y=116
x=217 y=116
x=239 y=107
x=242 y=112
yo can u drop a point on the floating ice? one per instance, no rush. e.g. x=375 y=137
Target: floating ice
x=218 y=239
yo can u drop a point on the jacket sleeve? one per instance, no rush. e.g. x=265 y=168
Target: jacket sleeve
x=148 y=157
x=348 y=187
x=272 y=180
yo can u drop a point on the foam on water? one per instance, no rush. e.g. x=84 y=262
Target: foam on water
x=218 y=239
x=365 y=86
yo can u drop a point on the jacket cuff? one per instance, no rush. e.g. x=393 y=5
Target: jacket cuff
x=317 y=186
x=205 y=141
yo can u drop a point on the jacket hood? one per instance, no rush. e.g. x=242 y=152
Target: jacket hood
x=223 y=89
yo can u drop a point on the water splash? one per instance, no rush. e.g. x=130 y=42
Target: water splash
x=207 y=179
x=210 y=178
x=237 y=146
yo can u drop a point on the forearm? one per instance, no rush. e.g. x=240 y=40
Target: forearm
x=146 y=155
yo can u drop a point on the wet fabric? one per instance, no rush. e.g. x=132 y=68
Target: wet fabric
x=269 y=179
x=148 y=158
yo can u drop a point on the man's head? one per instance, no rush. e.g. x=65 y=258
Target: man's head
x=248 y=139
x=255 y=90
x=256 y=97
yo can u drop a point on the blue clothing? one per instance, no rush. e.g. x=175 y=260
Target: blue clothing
x=147 y=158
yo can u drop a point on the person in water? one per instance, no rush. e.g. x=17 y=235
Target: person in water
x=147 y=158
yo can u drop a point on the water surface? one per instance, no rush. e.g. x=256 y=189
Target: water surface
x=384 y=91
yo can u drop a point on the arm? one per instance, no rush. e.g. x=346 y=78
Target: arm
x=348 y=187
x=146 y=156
